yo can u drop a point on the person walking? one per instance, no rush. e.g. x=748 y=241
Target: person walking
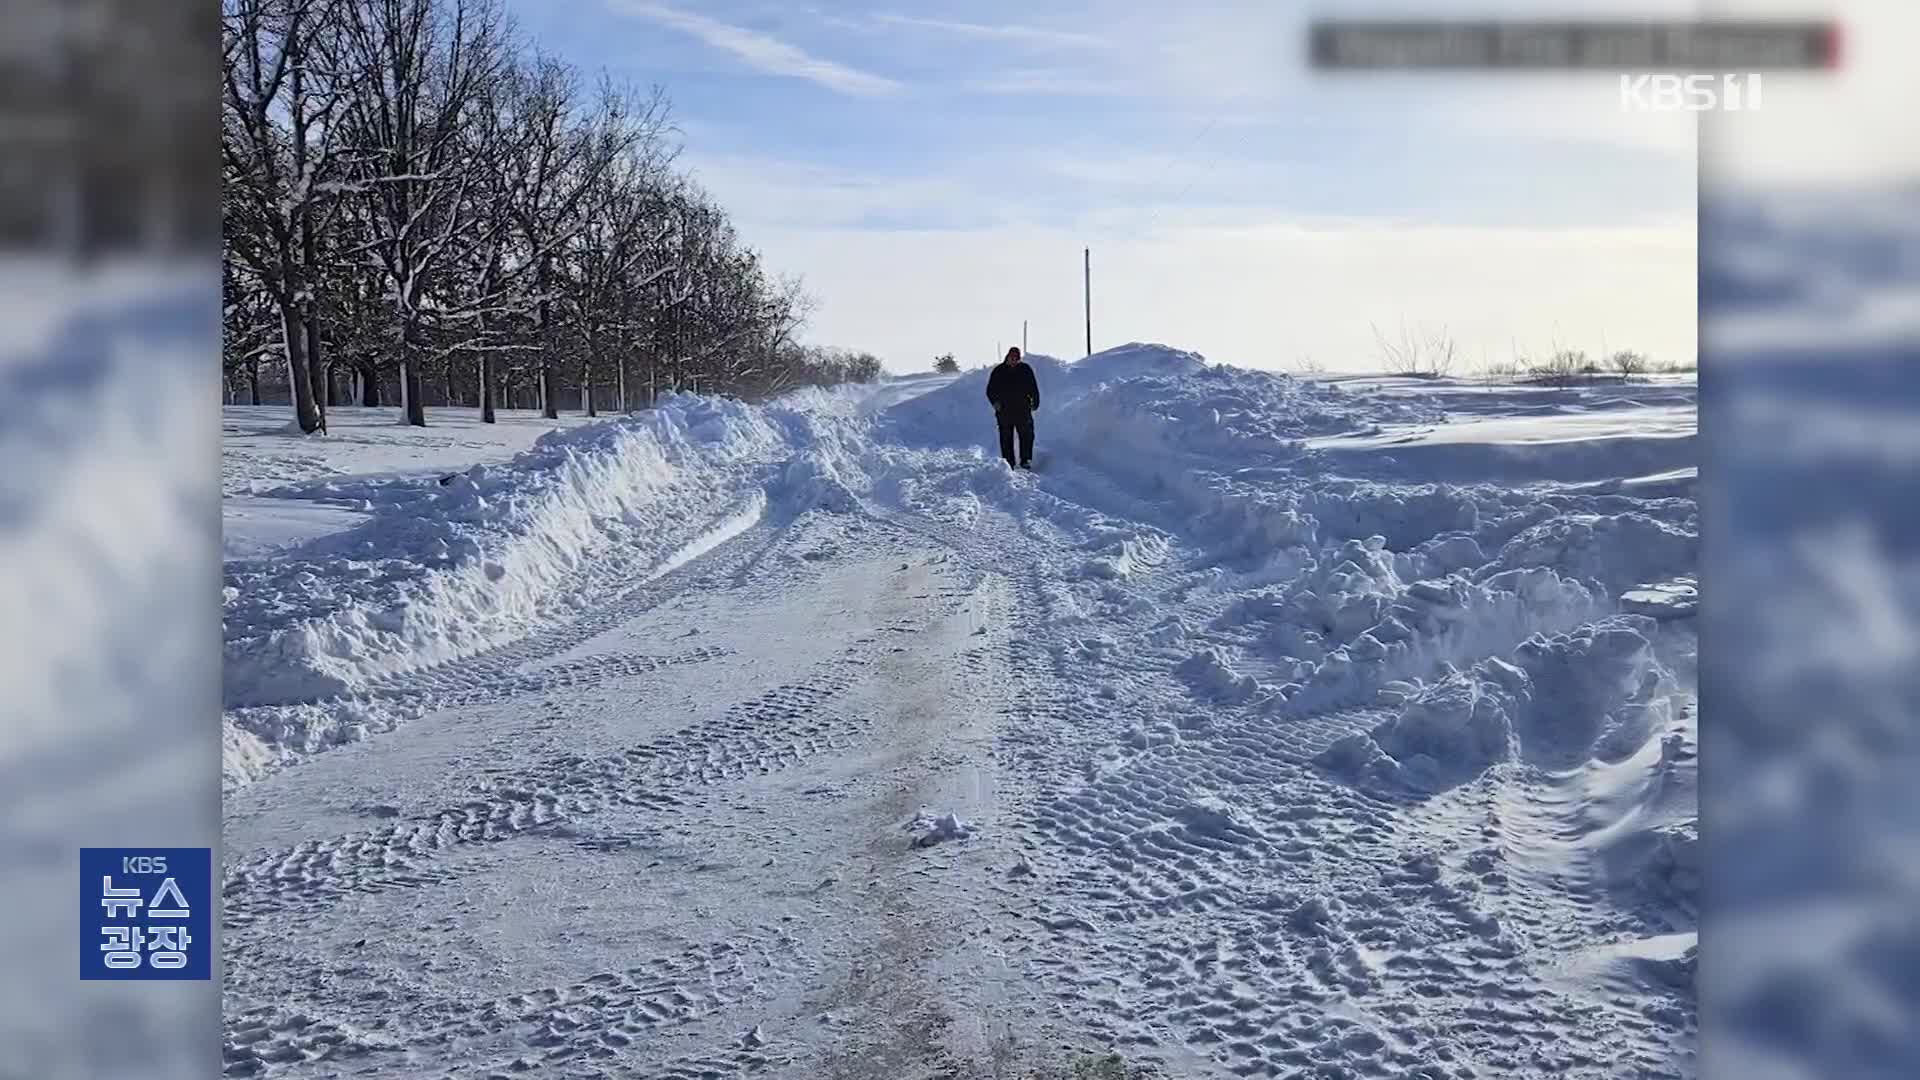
x=1015 y=395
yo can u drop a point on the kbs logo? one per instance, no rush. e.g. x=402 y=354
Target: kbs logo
x=146 y=913
x=1689 y=93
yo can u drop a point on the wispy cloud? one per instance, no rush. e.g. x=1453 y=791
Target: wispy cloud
x=1050 y=83
x=762 y=51
x=1029 y=35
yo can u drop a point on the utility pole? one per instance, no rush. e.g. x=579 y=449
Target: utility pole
x=1088 y=253
x=1023 y=337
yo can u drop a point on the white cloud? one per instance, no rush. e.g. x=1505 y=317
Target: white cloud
x=1050 y=83
x=1027 y=35
x=761 y=51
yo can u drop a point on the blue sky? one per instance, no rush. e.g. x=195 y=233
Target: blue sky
x=933 y=171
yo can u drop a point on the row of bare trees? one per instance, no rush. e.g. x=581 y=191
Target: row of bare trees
x=414 y=197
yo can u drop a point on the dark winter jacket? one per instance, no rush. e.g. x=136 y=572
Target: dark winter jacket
x=1013 y=390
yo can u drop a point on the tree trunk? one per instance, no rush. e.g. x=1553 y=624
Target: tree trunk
x=414 y=410
x=487 y=388
x=294 y=334
x=316 y=371
x=586 y=381
x=413 y=407
x=253 y=381
x=450 y=388
x=333 y=386
x=549 y=385
x=370 y=386
x=620 y=380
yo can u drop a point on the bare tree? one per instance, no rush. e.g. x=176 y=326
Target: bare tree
x=553 y=171
x=252 y=328
x=419 y=69
x=1401 y=356
x=626 y=152
x=411 y=198
x=276 y=142
x=491 y=273
x=1441 y=354
x=1413 y=356
x=1628 y=363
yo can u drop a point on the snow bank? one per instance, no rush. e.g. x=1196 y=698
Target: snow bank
x=444 y=570
x=1559 y=699
x=1353 y=569
x=954 y=414
x=262 y=451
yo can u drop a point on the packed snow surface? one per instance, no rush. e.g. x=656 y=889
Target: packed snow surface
x=1272 y=727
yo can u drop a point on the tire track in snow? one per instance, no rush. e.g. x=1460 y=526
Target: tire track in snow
x=1194 y=885
x=743 y=563
x=1201 y=866
x=587 y=1025
x=770 y=732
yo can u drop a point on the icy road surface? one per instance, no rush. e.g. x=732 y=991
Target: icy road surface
x=805 y=741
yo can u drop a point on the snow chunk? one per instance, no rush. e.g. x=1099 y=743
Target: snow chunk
x=1207 y=673
x=1618 y=551
x=1564 y=698
x=930 y=829
x=1675 y=599
x=1462 y=724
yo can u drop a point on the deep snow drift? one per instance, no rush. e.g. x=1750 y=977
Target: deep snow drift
x=443 y=566
x=265 y=456
x=1294 y=725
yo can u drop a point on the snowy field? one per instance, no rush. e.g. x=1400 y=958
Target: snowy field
x=1270 y=728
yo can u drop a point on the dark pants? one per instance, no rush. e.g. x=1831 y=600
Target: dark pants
x=1021 y=423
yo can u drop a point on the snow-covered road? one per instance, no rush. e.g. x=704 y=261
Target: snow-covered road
x=806 y=741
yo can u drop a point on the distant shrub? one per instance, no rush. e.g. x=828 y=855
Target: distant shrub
x=1628 y=363
x=1410 y=355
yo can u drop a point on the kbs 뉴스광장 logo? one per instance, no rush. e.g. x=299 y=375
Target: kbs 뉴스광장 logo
x=146 y=913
